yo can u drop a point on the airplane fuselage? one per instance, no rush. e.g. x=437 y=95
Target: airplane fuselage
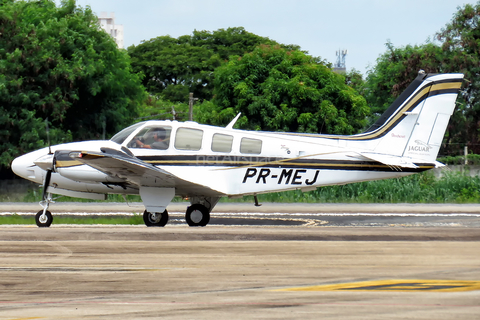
x=256 y=162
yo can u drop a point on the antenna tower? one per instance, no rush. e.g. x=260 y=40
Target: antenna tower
x=339 y=65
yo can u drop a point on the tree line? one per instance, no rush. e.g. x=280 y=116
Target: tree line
x=57 y=66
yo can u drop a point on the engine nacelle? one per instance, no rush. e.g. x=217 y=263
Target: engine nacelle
x=84 y=173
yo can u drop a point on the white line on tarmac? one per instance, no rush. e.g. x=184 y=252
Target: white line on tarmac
x=476 y=215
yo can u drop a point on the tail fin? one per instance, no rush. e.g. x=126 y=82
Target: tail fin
x=414 y=125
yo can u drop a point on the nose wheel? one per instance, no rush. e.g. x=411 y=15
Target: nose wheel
x=44 y=218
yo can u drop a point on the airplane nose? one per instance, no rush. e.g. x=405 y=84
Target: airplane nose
x=23 y=167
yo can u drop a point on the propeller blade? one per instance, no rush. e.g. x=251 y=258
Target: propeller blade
x=48 y=135
x=46 y=183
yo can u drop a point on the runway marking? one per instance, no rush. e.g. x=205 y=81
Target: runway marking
x=396 y=285
x=212 y=303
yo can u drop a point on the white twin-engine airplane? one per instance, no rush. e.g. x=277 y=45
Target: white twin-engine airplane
x=163 y=159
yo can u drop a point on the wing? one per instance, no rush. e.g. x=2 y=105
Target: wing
x=135 y=171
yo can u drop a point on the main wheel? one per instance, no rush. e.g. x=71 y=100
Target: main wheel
x=43 y=220
x=197 y=215
x=155 y=219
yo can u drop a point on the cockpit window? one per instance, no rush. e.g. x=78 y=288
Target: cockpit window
x=157 y=137
x=122 y=135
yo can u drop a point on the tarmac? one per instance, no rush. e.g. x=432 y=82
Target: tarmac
x=241 y=272
x=96 y=207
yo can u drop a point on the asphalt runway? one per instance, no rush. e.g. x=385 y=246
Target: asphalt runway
x=415 y=265
x=246 y=214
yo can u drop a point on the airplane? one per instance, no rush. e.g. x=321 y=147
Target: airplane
x=162 y=159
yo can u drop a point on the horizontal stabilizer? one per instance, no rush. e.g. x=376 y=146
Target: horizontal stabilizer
x=389 y=160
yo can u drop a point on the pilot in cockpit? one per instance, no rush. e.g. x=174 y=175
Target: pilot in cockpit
x=158 y=141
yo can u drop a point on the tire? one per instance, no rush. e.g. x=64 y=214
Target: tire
x=43 y=221
x=197 y=215
x=156 y=219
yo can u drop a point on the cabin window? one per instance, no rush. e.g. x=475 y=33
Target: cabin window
x=253 y=146
x=222 y=143
x=157 y=137
x=188 y=139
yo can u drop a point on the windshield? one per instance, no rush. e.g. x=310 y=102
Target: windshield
x=122 y=135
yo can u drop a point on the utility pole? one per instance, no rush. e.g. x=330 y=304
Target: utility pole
x=191 y=99
x=104 y=126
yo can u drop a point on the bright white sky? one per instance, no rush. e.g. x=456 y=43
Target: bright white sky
x=320 y=27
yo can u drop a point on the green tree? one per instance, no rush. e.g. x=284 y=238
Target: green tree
x=156 y=108
x=397 y=68
x=457 y=49
x=232 y=42
x=461 y=42
x=57 y=63
x=285 y=90
x=174 y=67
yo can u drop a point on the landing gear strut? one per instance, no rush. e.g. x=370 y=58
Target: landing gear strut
x=155 y=219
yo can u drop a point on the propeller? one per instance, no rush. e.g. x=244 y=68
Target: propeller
x=49 y=170
x=48 y=136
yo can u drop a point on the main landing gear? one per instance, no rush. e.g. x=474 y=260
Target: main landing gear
x=197 y=215
x=155 y=219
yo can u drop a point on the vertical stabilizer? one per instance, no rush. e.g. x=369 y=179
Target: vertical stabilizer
x=433 y=118
x=415 y=127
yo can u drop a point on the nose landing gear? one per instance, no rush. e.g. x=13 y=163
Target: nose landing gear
x=44 y=218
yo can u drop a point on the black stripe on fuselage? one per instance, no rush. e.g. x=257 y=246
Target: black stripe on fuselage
x=222 y=161
x=237 y=161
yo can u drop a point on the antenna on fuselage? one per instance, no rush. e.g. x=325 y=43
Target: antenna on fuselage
x=232 y=123
x=48 y=135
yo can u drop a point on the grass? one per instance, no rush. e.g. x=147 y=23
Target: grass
x=452 y=187
x=16 y=219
